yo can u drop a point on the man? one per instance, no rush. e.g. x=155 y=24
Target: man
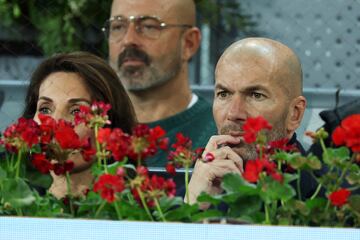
x=254 y=76
x=150 y=45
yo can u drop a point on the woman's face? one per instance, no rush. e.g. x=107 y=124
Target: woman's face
x=60 y=96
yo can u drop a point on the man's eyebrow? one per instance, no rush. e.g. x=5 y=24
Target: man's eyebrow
x=220 y=86
x=255 y=88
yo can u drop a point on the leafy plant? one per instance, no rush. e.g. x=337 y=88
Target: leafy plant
x=75 y=24
x=268 y=191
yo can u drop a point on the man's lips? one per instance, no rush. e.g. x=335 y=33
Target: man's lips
x=132 y=62
x=236 y=133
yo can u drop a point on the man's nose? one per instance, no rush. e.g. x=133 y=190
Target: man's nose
x=237 y=110
x=132 y=36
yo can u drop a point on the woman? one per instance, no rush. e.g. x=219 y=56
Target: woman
x=59 y=86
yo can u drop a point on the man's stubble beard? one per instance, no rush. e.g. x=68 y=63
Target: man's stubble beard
x=136 y=79
x=248 y=151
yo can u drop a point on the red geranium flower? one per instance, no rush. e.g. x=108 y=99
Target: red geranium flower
x=170 y=169
x=62 y=168
x=41 y=163
x=146 y=141
x=252 y=126
x=348 y=133
x=281 y=144
x=252 y=170
x=339 y=197
x=182 y=156
x=24 y=133
x=108 y=185
x=66 y=136
x=47 y=127
x=154 y=187
x=115 y=141
x=96 y=114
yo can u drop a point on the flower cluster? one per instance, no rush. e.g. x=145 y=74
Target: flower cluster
x=21 y=135
x=268 y=191
x=146 y=141
x=94 y=115
x=263 y=165
x=182 y=156
x=348 y=133
x=269 y=185
x=58 y=140
x=148 y=189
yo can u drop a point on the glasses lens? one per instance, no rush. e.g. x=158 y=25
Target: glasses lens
x=149 y=27
x=117 y=29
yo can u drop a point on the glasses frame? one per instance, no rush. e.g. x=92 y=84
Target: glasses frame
x=135 y=20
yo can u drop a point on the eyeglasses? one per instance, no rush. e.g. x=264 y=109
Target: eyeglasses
x=148 y=26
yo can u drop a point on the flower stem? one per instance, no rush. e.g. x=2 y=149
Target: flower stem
x=100 y=208
x=298 y=184
x=17 y=165
x=316 y=191
x=324 y=148
x=144 y=203
x=69 y=194
x=187 y=183
x=19 y=212
x=159 y=210
x=117 y=210
x=98 y=147
x=267 y=215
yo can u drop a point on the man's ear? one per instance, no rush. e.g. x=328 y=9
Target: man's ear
x=296 y=113
x=191 y=42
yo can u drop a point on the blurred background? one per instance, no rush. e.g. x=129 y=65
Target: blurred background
x=324 y=33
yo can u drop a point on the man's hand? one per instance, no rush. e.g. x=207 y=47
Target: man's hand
x=207 y=175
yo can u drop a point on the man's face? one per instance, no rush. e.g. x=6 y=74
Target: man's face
x=141 y=62
x=247 y=87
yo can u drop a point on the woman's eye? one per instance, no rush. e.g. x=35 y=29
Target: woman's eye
x=44 y=110
x=74 y=111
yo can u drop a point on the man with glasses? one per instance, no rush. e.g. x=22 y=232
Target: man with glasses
x=150 y=45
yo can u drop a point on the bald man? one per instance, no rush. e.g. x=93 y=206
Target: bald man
x=254 y=77
x=150 y=46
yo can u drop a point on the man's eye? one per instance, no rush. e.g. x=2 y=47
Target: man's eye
x=117 y=27
x=44 y=110
x=257 y=96
x=222 y=94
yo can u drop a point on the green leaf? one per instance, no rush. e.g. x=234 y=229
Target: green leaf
x=336 y=156
x=167 y=203
x=234 y=183
x=212 y=199
x=316 y=204
x=38 y=179
x=17 y=193
x=112 y=168
x=211 y=213
x=245 y=206
x=273 y=190
x=353 y=178
x=313 y=163
x=182 y=213
x=354 y=203
x=290 y=177
x=2 y=174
